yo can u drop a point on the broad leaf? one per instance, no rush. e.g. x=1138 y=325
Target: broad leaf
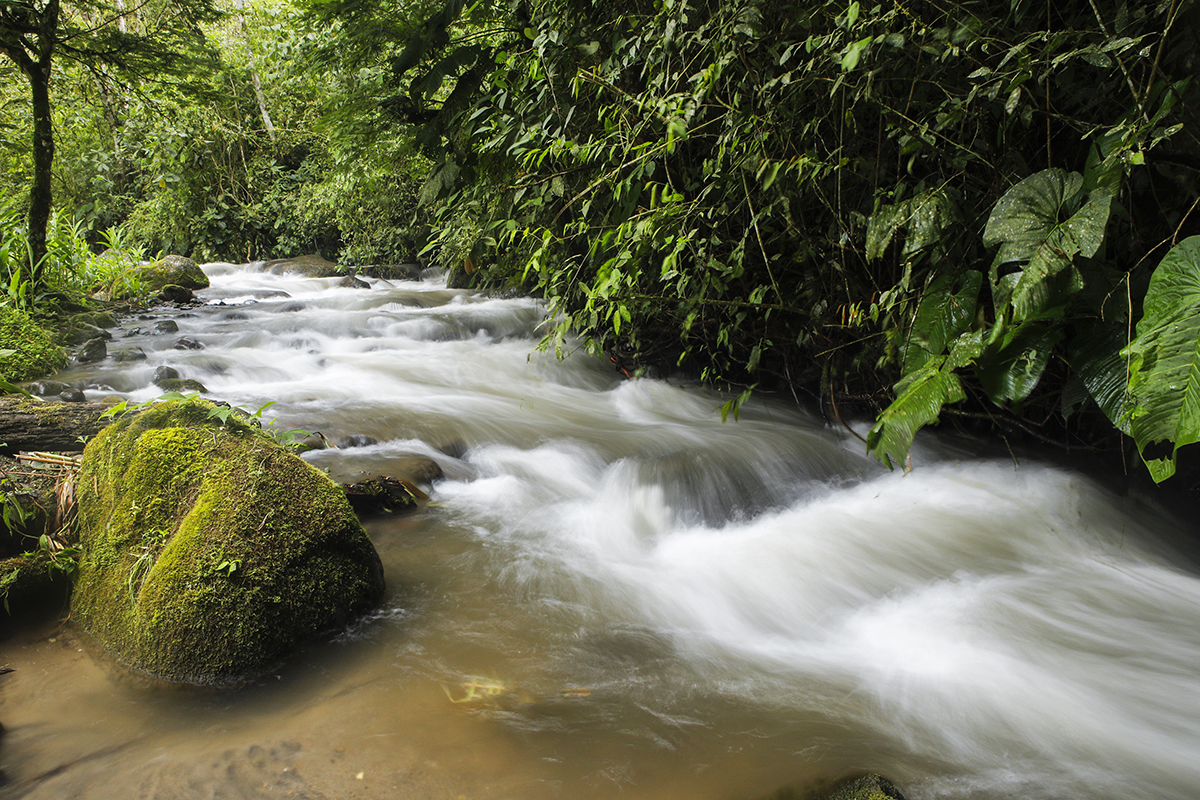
x=946 y=311
x=917 y=405
x=1095 y=355
x=1034 y=222
x=1164 y=360
x=1013 y=367
x=926 y=217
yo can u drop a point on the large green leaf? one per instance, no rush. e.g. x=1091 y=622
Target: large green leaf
x=917 y=405
x=926 y=217
x=1164 y=360
x=1010 y=371
x=946 y=311
x=1095 y=356
x=1036 y=223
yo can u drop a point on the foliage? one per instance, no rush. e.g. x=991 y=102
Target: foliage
x=1164 y=360
x=155 y=41
x=806 y=196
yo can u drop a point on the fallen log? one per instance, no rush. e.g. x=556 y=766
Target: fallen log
x=27 y=424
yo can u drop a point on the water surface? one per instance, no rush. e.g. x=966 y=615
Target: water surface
x=613 y=594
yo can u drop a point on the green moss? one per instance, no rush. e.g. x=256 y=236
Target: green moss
x=210 y=551
x=36 y=354
x=30 y=581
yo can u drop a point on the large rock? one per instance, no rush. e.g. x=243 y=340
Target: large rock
x=209 y=550
x=310 y=266
x=172 y=270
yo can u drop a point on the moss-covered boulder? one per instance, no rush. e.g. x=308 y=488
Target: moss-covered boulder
x=171 y=270
x=36 y=353
x=209 y=550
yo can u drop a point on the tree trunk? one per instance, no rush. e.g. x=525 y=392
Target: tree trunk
x=41 y=195
x=254 y=78
x=34 y=425
x=37 y=70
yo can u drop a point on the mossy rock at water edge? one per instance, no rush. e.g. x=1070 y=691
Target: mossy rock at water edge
x=36 y=353
x=171 y=270
x=209 y=550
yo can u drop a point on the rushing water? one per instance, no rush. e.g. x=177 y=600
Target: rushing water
x=653 y=604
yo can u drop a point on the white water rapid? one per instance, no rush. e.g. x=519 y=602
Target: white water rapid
x=667 y=606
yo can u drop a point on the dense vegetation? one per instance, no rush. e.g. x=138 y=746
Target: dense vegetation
x=906 y=209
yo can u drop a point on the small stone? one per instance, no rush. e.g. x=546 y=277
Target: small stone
x=311 y=441
x=49 y=388
x=165 y=326
x=419 y=469
x=351 y=282
x=126 y=356
x=356 y=440
x=72 y=396
x=93 y=350
x=165 y=373
x=181 y=385
x=188 y=343
x=174 y=293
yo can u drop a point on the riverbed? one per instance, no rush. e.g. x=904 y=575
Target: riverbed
x=613 y=593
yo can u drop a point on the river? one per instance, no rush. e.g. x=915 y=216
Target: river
x=611 y=593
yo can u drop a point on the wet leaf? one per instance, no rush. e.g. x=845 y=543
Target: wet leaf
x=1164 y=360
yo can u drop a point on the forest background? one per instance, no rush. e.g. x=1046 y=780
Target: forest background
x=983 y=212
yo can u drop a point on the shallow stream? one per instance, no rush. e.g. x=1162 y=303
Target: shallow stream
x=612 y=594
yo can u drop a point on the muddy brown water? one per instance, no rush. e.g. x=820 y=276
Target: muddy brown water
x=613 y=594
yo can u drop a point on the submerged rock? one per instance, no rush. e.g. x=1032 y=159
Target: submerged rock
x=129 y=355
x=172 y=270
x=209 y=550
x=47 y=388
x=352 y=282
x=866 y=787
x=92 y=350
x=183 y=385
x=173 y=293
x=310 y=266
x=164 y=326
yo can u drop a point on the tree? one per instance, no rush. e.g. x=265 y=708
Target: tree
x=98 y=35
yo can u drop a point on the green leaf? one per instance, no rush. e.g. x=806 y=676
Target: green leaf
x=946 y=311
x=1095 y=355
x=926 y=216
x=1164 y=360
x=917 y=405
x=1033 y=223
x=852 y=14
x=853 y=53
x=1010 y=371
